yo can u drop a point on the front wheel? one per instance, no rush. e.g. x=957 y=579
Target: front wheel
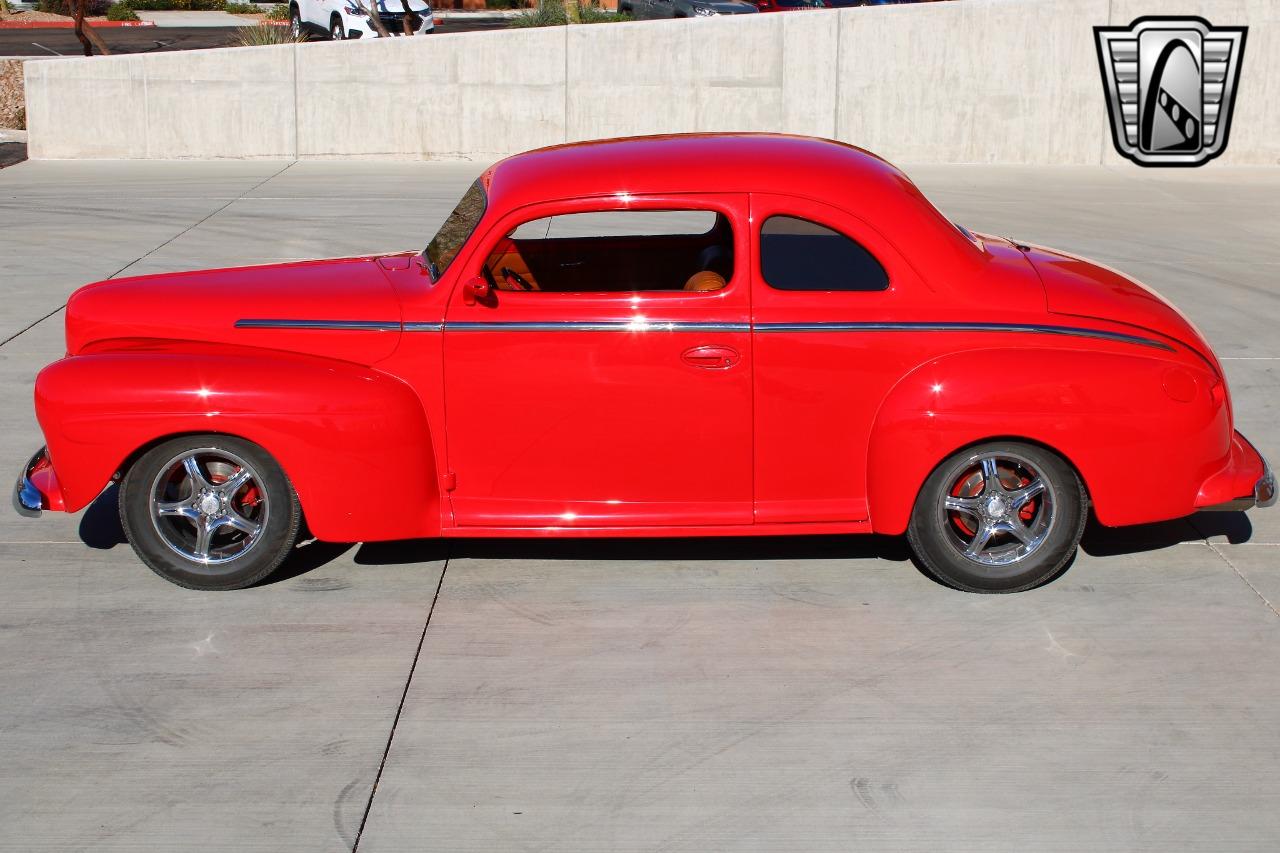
x=1000 y=517
x=209 y=512
x=337 y=32
x=295 y=24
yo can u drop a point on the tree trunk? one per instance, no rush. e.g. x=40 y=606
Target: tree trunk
x=89 y=38
x=404 y=4
x=374 y=20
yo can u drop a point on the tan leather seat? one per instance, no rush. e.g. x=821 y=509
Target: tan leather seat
x=705 y=280
x=507 y=256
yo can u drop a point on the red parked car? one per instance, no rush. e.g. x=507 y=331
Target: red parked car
x=789 y=5
x=700 y=335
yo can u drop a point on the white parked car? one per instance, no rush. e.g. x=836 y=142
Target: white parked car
x=349 y=19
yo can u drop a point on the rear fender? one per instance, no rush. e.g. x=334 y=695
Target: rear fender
x=353 y=441
x=1141 y=452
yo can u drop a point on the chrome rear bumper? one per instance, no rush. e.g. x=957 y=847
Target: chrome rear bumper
x=1264 y=494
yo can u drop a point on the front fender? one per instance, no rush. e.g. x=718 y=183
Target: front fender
x=354 y=441
x=1144 y=432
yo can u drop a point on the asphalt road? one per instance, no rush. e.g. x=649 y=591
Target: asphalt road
x=734 y=696
x=62 y=42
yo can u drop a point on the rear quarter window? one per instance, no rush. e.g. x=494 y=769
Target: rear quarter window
x=797 y=254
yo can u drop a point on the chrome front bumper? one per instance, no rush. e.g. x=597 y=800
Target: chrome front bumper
x=27 y=499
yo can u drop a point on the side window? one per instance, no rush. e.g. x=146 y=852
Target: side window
x=616 y=251
x=796 y=254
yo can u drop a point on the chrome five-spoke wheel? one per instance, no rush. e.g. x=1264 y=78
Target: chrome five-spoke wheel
x=209 y=511
x=209 y=506
x=998 y=517
x=999 y=511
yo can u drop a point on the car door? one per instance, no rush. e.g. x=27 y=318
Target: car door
x=822 y=283
x=585 y=387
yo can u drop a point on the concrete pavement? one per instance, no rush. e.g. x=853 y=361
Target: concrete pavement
x=792 y=694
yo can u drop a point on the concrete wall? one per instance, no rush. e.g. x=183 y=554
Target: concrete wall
x=984 y=81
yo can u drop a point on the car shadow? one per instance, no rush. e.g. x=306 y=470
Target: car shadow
x=100 y=525
x=1102 y=541
x=100 y=528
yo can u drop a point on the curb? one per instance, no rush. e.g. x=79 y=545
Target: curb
x=477 y=15
x=67 y=25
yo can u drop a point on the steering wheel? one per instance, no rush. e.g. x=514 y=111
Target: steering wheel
x=516 y=280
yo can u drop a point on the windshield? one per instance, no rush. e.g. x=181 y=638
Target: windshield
x=444 y=247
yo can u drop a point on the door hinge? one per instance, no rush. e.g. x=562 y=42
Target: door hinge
x=449 y=481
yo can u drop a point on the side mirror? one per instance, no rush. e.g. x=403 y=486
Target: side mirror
x=476 y=290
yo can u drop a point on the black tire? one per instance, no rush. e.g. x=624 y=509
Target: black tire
x=956 y=507
x=251 y=528
x=296 y=29
x=337 y=32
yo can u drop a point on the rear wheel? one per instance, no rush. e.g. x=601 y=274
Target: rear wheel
x=209 y=512
x=337 y=32
x=999 y=517
x=295 y=23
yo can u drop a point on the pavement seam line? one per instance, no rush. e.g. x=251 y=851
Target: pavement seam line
x=22 y=332
x=152 y=251
x=209 y=216
x=373 y=791
x=1240 y=575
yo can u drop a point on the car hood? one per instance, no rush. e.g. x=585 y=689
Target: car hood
x=278 y=306
x=1081 y=288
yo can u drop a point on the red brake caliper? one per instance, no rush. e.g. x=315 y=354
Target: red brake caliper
x=963 y=485
x=1028 y=510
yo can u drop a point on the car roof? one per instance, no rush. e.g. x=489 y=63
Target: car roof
x=682 y=163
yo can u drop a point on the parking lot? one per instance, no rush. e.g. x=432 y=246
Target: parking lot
x=806 y=694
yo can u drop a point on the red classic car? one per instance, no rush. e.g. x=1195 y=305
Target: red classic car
x=664 y=336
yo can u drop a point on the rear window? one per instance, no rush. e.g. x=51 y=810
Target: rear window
x=455 y=231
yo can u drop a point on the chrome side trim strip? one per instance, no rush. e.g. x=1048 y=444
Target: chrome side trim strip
x=671 y=326
x=1070 y=331
x=340 y=325
x=599 y=326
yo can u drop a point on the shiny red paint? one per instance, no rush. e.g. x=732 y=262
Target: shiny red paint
x=740 y=423
x=775 y=6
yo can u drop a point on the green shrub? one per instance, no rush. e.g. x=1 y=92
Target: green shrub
x=550 y=14
x=555 y=13
x=121 y=12
x=264 y=34
x=593 y=14
x=234 y=8
x=93 y=9
x=278 y=12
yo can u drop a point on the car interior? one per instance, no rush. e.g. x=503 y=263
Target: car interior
x=616 y=251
